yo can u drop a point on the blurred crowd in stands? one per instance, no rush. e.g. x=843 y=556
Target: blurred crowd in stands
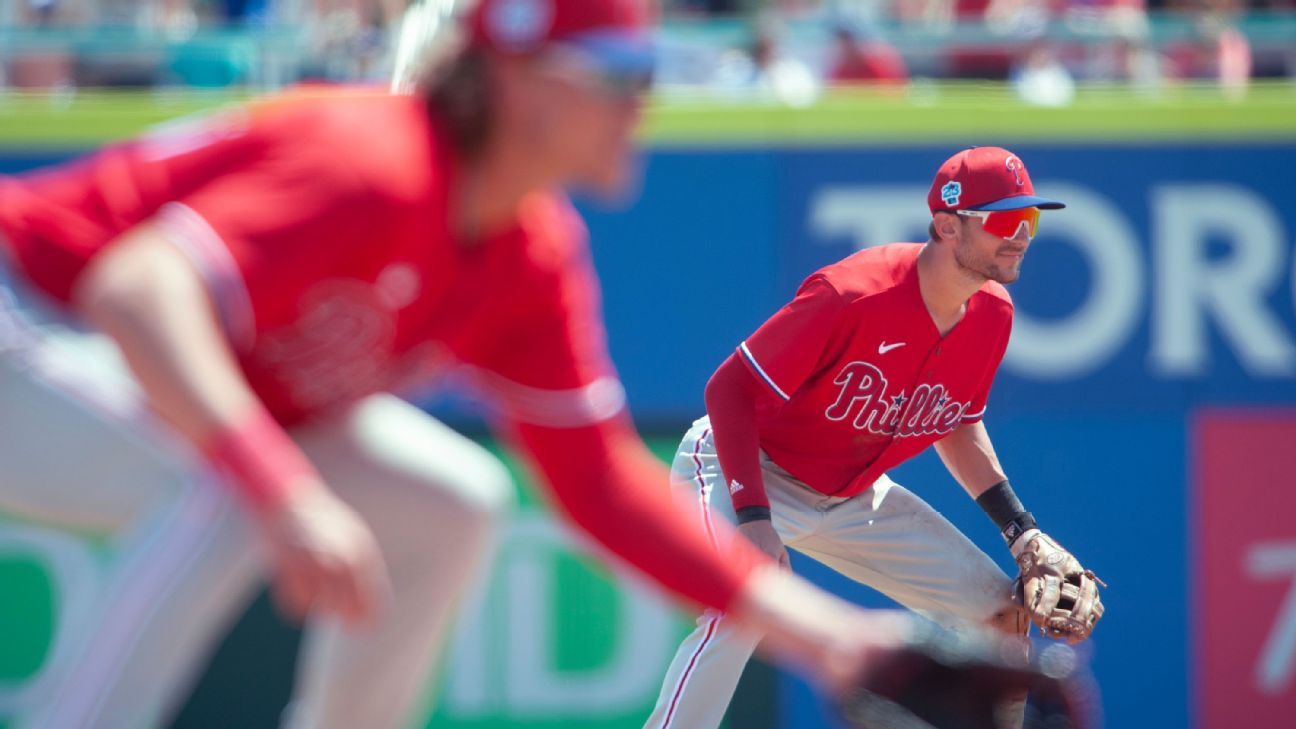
x=787 y=50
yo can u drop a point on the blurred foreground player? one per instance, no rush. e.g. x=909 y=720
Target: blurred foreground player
x=267 y=275
x=879 y=355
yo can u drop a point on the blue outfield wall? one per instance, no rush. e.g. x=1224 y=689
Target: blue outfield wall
x=1167 y=283
x=1167 y=286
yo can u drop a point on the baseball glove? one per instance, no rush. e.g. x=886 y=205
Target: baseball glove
x=1060 y=597
x=944 y=680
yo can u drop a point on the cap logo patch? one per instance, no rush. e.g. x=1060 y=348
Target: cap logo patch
x=951 y=192
x=1014 y=166
x=519 y=24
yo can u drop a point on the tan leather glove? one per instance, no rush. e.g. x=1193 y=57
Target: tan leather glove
x=1059 y=595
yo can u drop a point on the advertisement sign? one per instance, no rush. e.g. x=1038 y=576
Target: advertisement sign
x=1169 y=280
x=1246 y=553
x=551 y=638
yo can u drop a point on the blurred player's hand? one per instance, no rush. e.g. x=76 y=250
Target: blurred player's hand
x=828 y=638
x=970 y=679
x=325 y=558
x=761 y=533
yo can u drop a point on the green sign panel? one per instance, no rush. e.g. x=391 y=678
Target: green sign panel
x=550 y=638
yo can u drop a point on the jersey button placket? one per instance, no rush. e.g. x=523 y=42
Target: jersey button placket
x=931 y=362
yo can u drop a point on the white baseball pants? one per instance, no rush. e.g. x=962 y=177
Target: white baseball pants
x=887 y=538
x=79 y=452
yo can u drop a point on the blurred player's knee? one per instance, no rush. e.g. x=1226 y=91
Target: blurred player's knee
x=476 y=484
x=473 y=497
x=411 y=476
x=485 y=490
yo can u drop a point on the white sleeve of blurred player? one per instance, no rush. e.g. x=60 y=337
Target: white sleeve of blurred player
x=426 y=25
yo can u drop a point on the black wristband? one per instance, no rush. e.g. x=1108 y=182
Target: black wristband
x=1006 y=511
x=753 y=513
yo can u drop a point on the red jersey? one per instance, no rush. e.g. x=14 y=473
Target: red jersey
x=860 y=377
x=869 y=63
x=320 y=225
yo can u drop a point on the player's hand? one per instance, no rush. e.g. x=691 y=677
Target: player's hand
x=828 y=638
x=761 y=533
x=325 y=559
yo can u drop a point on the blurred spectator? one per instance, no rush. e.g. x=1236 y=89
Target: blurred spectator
x=1117 y=17
x=794 y=8
x=350 y=39
x=1015 y=21
x=1132 y=60
x=242 y=12
x=1218 y=51
x=1112 y=40
x=175 y=18
x=764 y=72
x=784 y=8
x=1034 y=43
x=46 y=13
x=170 y=25
x=786 y=78
x=708 y=7
x=49 y=68
x=1042 y=80
x=1121 y=50
x=863 y=59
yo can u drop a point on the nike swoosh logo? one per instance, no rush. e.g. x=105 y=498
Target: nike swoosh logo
x=883 y=348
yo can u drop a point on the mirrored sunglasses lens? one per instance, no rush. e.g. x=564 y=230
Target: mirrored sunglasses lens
x=1032 y=218
x=1005 y=224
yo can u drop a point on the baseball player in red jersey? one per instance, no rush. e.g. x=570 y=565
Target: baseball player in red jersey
x=268 y=275
x=877 y=357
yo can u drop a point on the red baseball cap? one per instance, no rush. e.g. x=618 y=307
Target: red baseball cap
x=985 y=178
x=617 y=33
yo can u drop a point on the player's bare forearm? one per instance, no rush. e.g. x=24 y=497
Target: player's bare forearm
x=146 y=295
x=970 y=458
x=833 y=640
x=1058 y=594
x=613 y=488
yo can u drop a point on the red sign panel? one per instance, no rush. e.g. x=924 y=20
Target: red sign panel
x=1245 y=569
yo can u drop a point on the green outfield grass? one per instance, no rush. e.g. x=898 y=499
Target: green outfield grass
x=986 y=112
x=924 y=112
